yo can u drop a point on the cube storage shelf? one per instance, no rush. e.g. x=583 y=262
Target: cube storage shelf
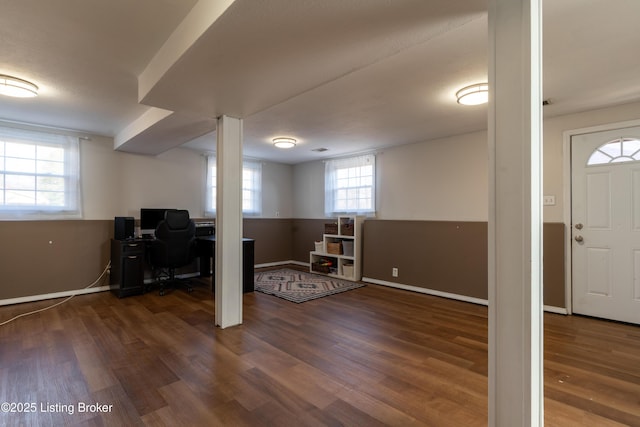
x=341 y=252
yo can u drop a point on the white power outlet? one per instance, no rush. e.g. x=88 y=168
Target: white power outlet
x=394 y=272
x=549 y=200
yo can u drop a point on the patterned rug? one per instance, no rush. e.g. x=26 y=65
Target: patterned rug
x=299 y=286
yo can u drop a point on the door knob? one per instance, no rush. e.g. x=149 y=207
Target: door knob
x=579 y=239
x=579 y=226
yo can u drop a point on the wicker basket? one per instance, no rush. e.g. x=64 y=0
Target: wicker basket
x=331 y=228
x=320 y=268
x=346 y=229
x=334 y=248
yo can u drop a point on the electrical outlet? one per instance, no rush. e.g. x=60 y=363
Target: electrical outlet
x=394 y=271
x=549 y=200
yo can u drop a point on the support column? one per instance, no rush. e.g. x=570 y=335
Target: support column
x=228 y=256
x=515 y=214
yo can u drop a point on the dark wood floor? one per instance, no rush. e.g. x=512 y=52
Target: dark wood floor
x=367 y=357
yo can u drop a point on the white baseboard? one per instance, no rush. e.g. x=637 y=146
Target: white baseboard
x=427 y=291
x=32 y=298
x=480 y=301
x=557 y=310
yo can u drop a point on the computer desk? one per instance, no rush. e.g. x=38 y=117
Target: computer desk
x=206 y=250
x=128 y=264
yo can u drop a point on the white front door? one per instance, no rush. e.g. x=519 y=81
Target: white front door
x=605 y=207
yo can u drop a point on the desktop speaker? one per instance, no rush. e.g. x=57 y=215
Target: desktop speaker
x=123 y=227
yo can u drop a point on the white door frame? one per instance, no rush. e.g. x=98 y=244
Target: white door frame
x=566 y=194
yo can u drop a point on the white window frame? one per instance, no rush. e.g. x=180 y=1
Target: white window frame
x=350 y=186
x=22 y=172
x=251 y=187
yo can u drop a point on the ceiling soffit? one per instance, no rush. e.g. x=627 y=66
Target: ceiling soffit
x=258 y=54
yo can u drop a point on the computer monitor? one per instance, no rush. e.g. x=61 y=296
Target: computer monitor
x=150 y=218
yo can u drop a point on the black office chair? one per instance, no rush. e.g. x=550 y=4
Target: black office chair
x=173 y=247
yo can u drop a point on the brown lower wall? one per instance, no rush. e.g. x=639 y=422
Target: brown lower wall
x=446 y=256
x=449 y=256
x=42 y=257
x=80 y=250
x=439 y=255
x=304 y=233
x=553 y=256
x=273 y=238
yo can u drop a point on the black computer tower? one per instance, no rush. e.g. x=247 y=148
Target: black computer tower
x=124 y=227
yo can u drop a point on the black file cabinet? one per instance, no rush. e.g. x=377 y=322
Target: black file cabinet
x=127 y=267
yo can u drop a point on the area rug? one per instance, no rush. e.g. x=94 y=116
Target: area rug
x=299 y=286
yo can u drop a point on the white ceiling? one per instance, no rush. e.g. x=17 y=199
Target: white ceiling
x=346 y=75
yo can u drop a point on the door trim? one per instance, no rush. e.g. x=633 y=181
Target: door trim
x=566 y=194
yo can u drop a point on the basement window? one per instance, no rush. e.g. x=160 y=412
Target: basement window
x=350 y=186
x=251 y=187
x=617 y=151
x=39 y=175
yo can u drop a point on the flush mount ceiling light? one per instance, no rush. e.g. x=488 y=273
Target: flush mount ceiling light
x=13 y=86
x=284 y=142
x=473 y=95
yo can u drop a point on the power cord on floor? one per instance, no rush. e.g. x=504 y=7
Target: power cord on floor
x=98 y=280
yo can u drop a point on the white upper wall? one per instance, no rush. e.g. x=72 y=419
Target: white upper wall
x=101 y=179
x=444 y=179
x=119 y=184
x=277 y=188
x=308 y=190
x=447 y=179
x=173 y=179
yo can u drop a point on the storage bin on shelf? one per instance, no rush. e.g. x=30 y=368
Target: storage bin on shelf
x=331 y=228
x=346 y=227
x=320 y=268
x=324 y=265
x=334 y=248
x=347 y=247
x=347 y=270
